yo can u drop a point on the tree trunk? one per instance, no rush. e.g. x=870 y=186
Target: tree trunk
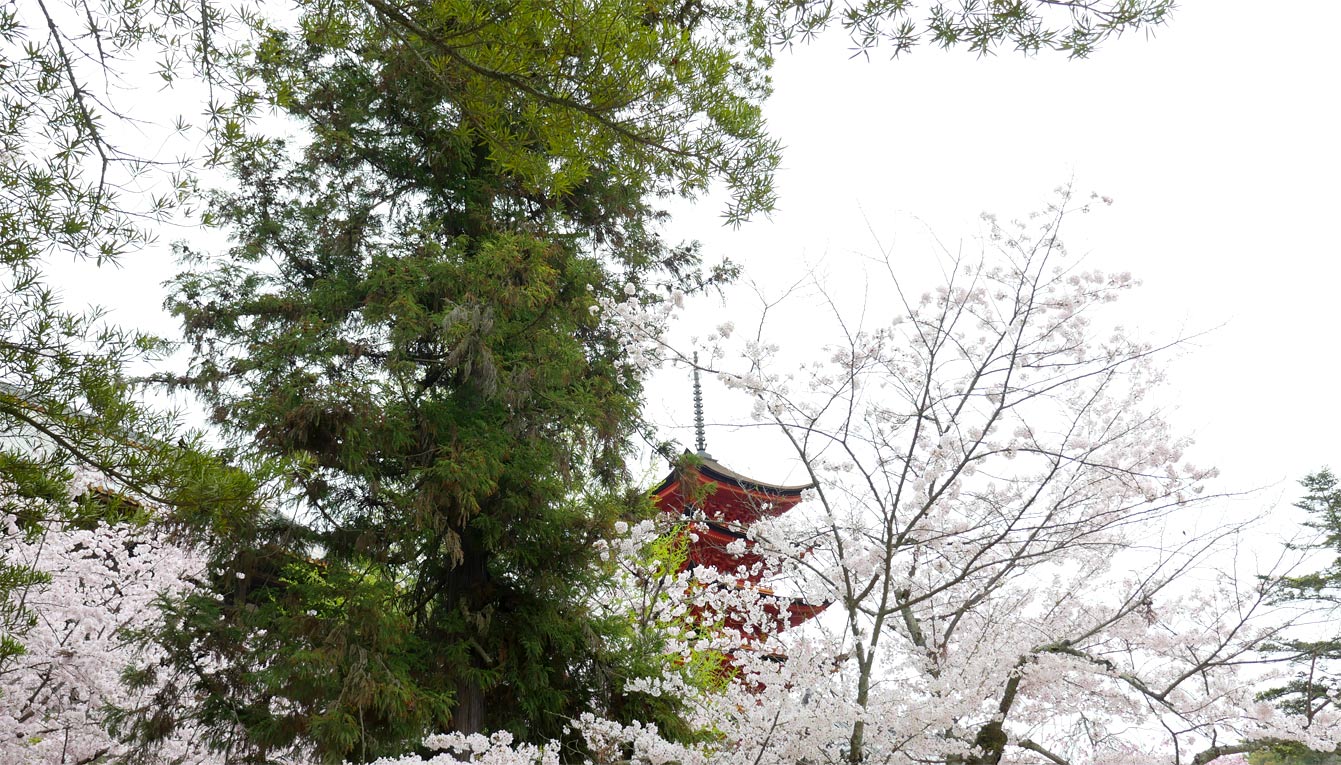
x=468 y=717
x=468 y=590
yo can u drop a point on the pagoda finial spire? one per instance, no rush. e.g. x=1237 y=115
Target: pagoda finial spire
x=700 y=438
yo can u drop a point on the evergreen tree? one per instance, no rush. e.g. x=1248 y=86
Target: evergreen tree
x=411 y=318
x=1317 y=684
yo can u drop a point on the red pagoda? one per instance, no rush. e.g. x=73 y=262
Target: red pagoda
x=718 y=507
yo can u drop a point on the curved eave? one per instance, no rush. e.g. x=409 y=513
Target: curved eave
x=803 y=610
x=716 y=472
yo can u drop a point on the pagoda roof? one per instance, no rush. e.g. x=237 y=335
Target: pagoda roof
x=715 y=471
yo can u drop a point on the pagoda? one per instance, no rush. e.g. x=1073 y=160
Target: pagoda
x=718 y=506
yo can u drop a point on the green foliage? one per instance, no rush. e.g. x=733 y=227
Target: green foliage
x=635 y=640
x=667 y=554
x=1316 y=684
x=1292 y=753
x=15 y=616
x=310 y=632
x=554 y=92
x=407 y=319
x=1074 y=27
x=65 y=406
x=68 y=190
x=69 y=183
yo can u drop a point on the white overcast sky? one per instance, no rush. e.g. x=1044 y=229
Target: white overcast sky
x=1217 y=138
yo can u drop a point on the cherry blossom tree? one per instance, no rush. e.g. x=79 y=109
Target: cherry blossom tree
x=1010 y=530
x=103 y=580
x=1023 y=565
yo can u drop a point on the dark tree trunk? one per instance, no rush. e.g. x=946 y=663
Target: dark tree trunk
x=469 y=590
x=468 y=717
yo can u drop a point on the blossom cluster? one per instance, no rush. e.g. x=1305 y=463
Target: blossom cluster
x=104 y=581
